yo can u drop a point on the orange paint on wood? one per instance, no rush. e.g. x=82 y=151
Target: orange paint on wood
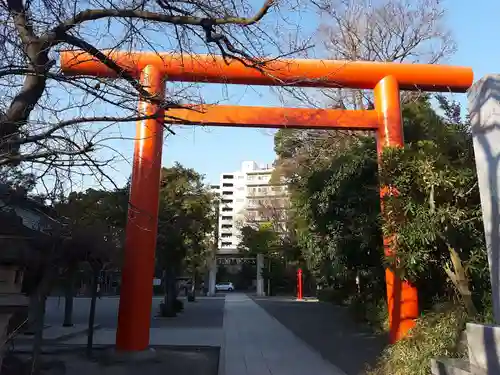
x=270 y=117
x=134 y=314
x=402 y=297
x=280 y=72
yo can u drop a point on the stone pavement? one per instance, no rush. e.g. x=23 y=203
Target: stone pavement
x=168 y=336
x=253 y=339
x=56 y=333
x=207 y=313
x=257 y=344
x=350 y=345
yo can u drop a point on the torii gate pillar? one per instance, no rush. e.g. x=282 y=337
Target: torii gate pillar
x=134 y=315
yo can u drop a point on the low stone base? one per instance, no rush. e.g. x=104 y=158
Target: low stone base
x=113 y=356
x=483 y=342
x=450 y=366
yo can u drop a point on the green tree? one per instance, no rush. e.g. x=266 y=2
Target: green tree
x=186 y=219
x=436 y=215
x=278 y=249
x=94 y=214
x=336 y=213
x=437 y=212
x=260 y=240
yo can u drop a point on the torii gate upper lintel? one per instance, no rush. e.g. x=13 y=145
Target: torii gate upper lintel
x=152 y=69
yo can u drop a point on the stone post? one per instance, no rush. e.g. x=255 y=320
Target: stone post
x=483 y=341
x=260 y=279
x=484 y=109
x=212 y=276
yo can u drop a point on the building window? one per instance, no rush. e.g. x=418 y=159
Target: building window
x=227 y=193
x=227 y=226
x=227 y=176
x=226 y=235
x=227 y=184
x=226 y=244
x=227 y=218
x=227 y=201
x=241 y=177
x=250 y=178
x=226 y=209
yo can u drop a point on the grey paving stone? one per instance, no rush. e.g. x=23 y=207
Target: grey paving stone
x=265 y=344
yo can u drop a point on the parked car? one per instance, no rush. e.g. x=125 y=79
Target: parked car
x=224 y=287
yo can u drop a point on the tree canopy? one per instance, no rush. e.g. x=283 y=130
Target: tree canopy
x=436 y=214
x=186 y=218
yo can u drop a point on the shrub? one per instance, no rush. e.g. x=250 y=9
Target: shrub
x=338 y=296
x=437 y=334
x=373 y=312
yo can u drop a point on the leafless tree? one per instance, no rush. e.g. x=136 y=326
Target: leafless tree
x=271 y=208
x=388 y=30
x=61 y=125
x=372 y=30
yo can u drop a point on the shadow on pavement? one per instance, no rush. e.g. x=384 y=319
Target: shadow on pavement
x=206 y=312
x=329 y=330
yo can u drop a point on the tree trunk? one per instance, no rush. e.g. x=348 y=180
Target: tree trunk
x=40 y=297
x=69 y=293
x=192 y=291
x=172 y=292
x=168 y=308
x=32 y=312
x=269 y=277
x=460 y=280
x=165 y=286
x=90 y=335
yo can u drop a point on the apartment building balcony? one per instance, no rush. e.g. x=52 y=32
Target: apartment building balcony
x=227 y=251
x=272 y=196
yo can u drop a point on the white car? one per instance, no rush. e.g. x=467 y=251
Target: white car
x=226 y=287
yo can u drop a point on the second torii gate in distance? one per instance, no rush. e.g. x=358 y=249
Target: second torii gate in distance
x=152 y=69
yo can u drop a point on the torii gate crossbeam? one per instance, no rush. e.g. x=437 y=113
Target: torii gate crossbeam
x=152 y=70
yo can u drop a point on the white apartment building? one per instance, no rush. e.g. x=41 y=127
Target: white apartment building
x=241 y=194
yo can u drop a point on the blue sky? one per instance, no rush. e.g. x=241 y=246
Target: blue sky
x=212 y=151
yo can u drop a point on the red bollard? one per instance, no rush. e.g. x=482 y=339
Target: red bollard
x=299 y=284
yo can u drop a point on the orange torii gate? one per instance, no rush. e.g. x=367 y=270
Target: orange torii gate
x=152 y=70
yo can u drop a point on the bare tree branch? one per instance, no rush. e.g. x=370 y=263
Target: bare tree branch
x=54 y=123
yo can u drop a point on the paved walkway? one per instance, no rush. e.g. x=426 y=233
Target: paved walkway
x=251 y=340
x=331 y=330
x=255 y=343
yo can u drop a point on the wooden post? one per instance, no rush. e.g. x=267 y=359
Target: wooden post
x=134 y=314
x=402 y=297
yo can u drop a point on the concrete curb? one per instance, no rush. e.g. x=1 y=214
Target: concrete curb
x=23 y=339
x=73 y=334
